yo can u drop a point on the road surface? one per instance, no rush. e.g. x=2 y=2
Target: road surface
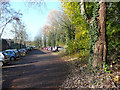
x=38 y=69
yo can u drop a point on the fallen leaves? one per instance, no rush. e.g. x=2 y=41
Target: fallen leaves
x=91 y=81
x=83 y=78
x=116 y=78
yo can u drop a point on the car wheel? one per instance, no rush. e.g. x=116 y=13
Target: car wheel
x=4 y=63
x=12 y=58
x=1 y=63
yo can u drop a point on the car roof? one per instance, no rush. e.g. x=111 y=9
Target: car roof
x=8 y=50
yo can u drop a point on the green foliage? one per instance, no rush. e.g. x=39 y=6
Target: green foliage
x=93 y=31
x=105 y=67
x=89 y=8
x=38 y=41
x=78 y=36
x=44 y=41
x=69 y=29
x=113 y=30
x=51 y=39
x=85 y=35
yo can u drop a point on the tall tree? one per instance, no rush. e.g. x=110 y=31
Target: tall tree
x=7 y=15
x=80 y=30
x=98 y=31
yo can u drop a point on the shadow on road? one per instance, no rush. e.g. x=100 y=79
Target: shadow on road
x=44 y=76
x=29 y=58
x=36 y=52
x=35 y=71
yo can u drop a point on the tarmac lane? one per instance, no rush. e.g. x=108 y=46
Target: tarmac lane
x=38 y=69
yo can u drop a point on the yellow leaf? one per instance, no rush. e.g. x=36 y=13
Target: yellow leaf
x=113 y=61
x=85 y=65
x=101 y=79
x=111 y=74
x=116 y=79
x=118 y=59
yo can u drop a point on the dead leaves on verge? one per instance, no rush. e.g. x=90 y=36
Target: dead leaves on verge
x=81 y=77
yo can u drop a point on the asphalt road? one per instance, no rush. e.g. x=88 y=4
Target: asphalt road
x=38 y=69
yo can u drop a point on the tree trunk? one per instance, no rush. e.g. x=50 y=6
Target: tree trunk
x=100 y=49
x=100 y=45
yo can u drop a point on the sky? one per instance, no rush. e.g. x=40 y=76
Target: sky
x=33 y=17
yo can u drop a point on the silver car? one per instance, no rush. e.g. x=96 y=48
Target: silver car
x=4 y=58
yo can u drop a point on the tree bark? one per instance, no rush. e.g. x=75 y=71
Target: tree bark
x=100 y=49
x=100 y=46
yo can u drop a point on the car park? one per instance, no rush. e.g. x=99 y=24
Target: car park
x=54 y=49
x=16 y=53
x=11 y=54
x=32 y=47
x=50 y=48
x=44 y=48
x=22 y=52
x=28 y=49
x=57 y=48
x=4 y=58
x=47 y=48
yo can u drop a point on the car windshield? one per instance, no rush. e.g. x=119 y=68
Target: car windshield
x=9 y=52
x=4 y=53
x=21 y=49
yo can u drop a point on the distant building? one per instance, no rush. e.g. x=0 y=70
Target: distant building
x=5 y=44
x=9 y=44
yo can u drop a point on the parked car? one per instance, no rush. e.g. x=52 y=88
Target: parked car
x=44 y=48
x=16 y=53
x=47 y=48
x=57 y=48
x=28 y=49
x=4 y=58
x=50 y=48
x=22 y=52
x=11 y=54
x=32 y=47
